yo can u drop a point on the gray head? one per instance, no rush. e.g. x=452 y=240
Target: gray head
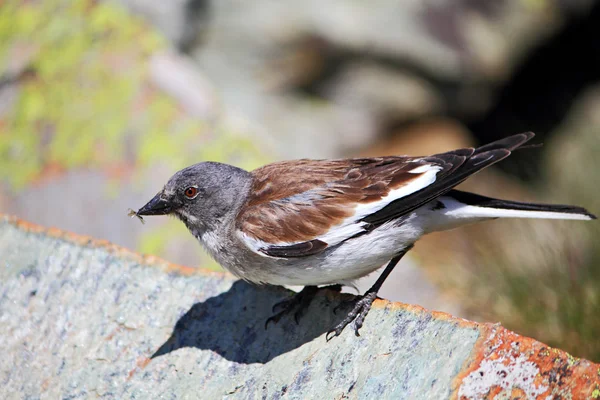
x=204 y=196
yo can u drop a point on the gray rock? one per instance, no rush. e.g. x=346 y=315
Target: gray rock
x=82 y=319
x=181 y=21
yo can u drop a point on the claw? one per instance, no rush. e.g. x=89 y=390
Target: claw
x=335 y=333
x=357 y=314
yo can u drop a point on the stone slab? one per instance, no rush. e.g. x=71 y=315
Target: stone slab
x=83 y=318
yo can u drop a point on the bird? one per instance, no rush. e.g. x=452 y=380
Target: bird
x=326 y=223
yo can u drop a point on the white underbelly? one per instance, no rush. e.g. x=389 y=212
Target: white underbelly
x=348 y=261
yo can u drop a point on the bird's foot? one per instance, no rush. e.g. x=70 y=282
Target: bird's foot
x=361 y=308
x=298 y=303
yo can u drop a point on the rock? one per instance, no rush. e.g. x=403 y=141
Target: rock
x=428 y=136
x=182 y=21
x=576 y=144
x=388 y=94
x=85 y=318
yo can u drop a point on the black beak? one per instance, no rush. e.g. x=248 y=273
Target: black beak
x=156 y=206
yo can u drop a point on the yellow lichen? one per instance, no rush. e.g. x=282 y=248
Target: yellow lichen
x=571 y=360
x=78 y=93
x=84 y=98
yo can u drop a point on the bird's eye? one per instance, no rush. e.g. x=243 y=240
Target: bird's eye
x=191 y=192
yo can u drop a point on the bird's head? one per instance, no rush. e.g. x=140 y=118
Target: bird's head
x=203 y=195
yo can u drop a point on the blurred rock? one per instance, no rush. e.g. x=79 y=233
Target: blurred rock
x=181 y=21
x=177 y=77
x=428 y=136
x=385 y=93
x=571 y=158
x=539 y=98
x=96 y=113
x=302 y=69
x=342 y=73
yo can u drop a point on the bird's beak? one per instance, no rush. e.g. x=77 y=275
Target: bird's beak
x=157 y=206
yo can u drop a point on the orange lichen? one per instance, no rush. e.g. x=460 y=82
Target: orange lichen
x=140 y=364
x=507 y=363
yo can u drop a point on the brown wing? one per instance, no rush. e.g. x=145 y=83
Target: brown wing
x=298 y=201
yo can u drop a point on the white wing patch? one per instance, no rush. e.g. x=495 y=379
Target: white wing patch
x=422 y=168
x=350 y=226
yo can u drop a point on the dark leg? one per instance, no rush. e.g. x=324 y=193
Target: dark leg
x=299 y=302
x=363 y=303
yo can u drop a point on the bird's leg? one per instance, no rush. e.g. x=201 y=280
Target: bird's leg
x=363 y=303
x=298 y=302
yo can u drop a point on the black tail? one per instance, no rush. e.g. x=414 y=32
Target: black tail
x=524 y=210
x=461 y=163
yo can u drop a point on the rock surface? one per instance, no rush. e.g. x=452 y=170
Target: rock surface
x=85 y=318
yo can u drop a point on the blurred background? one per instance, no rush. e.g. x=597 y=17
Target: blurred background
x=102 y=101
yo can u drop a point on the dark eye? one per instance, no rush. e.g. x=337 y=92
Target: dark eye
x=191 y=192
